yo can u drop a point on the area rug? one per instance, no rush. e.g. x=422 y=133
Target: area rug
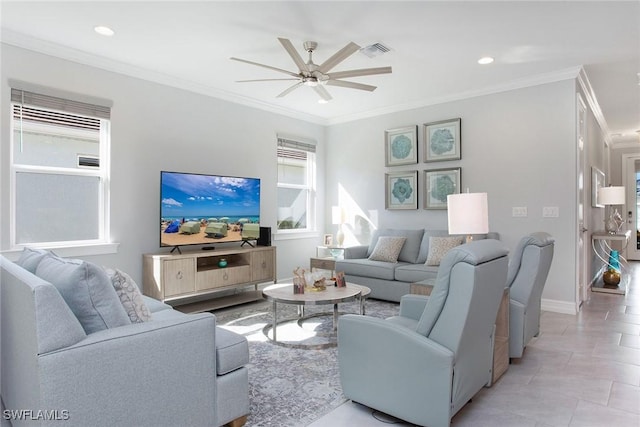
x=288 y=385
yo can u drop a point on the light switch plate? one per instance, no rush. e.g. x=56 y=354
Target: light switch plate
x=550 y=212
x=519 y=211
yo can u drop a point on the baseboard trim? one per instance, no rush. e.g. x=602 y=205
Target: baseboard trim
x=557 y=306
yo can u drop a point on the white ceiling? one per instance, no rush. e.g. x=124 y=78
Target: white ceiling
x=435 y=46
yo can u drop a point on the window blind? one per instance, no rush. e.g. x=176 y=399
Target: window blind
x=24 y=98
x=309 y=147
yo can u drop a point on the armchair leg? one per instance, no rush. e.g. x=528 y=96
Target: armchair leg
x=238 y=422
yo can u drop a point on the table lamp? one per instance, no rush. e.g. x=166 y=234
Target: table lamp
x=337 y=218
x=612 y=196
x=468 y=214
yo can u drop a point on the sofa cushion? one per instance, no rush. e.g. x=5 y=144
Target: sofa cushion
x=413 y=273
x=87 y=290
x=30 y=258
x=424 y=244
x=387 y=249
x=439 y=246
x=129 y=295
x=411 y=248
x=368 y=268
x=232 y=351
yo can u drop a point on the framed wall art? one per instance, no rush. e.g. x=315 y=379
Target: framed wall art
x=442 y=140
x=597 y=181
x=401 y=190
x=438 y=184
x=401 y=146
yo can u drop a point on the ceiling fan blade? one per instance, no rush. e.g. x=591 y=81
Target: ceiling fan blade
x=358 y=73
x=338 y=57
x=264 y=80
x=290 y=89
x=293 y=53
x=351 y=85
x=320 y=90
x=267 y=66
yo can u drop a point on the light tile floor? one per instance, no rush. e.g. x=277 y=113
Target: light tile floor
x=582 y=370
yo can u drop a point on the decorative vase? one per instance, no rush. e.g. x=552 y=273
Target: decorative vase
x=222 y=263
x=611 y=277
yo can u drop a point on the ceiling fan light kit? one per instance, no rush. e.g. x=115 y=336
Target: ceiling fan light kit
x=317 y=76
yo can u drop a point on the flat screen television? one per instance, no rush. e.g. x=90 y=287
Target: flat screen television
x=200 y=209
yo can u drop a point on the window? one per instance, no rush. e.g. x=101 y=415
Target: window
x=59 y=171
x=296 y=186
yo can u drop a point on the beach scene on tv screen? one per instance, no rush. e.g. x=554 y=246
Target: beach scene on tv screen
x=201 y=209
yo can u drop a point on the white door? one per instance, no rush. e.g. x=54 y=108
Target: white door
x=631 y=213
x=582 y=244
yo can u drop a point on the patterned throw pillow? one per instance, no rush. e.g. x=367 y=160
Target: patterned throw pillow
x=439 y=246
x=387 y=249
x=129 y=295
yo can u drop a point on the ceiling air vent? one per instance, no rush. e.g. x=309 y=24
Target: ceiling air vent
x=85 y=161
x=374 y=50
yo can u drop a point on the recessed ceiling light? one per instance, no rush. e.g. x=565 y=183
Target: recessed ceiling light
x=104 y=31
x=485 y=60
x=323 y=101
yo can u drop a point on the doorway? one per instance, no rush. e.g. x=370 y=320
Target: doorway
x=582 y=245
x=631 y=182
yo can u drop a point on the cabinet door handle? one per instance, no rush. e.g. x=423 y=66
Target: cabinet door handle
x=225 y=276
x=179 y=275
x=264 y=264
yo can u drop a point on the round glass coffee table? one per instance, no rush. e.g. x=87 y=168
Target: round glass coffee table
x=283 y=294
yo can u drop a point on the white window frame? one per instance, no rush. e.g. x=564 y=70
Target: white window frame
x=100 y=245
x=301 y=144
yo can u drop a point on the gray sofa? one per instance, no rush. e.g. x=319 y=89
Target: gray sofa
x=388 y=280
x=172 y=369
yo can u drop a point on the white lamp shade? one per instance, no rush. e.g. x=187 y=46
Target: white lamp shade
x=337 y=215
x=611 y=195
x=468 y=213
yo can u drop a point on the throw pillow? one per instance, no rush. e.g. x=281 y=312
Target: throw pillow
x=439 y=246
x=30 y=258
x=87 y=290
x=387 y=249
x=129 y=295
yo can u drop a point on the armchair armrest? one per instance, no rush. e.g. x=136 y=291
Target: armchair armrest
x=160 y=372
x=355 y=252
x=412 y=306
x=382 y=363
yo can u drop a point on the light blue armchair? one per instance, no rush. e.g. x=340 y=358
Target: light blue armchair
x=528 y=270
x=424 y=365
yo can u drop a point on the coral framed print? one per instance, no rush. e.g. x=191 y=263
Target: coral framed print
x=442 y=140
x=401 y=146
x=401 y=190
x=438 y=184
x=597 y=181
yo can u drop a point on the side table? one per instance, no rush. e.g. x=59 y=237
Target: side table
x=601 y=247
x=501 y=335
x=324 y=264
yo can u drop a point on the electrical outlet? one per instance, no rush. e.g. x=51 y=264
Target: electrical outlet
x=519 y=211
x=550 y=212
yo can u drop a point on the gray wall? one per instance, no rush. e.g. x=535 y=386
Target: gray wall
x=154 y=128
x=518 y=146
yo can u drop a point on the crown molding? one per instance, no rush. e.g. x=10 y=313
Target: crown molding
x=590 y=95
x=540 y=79
x=53 y=49
x=74 y=55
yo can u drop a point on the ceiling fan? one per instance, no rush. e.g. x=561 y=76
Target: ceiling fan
x=317 y=76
